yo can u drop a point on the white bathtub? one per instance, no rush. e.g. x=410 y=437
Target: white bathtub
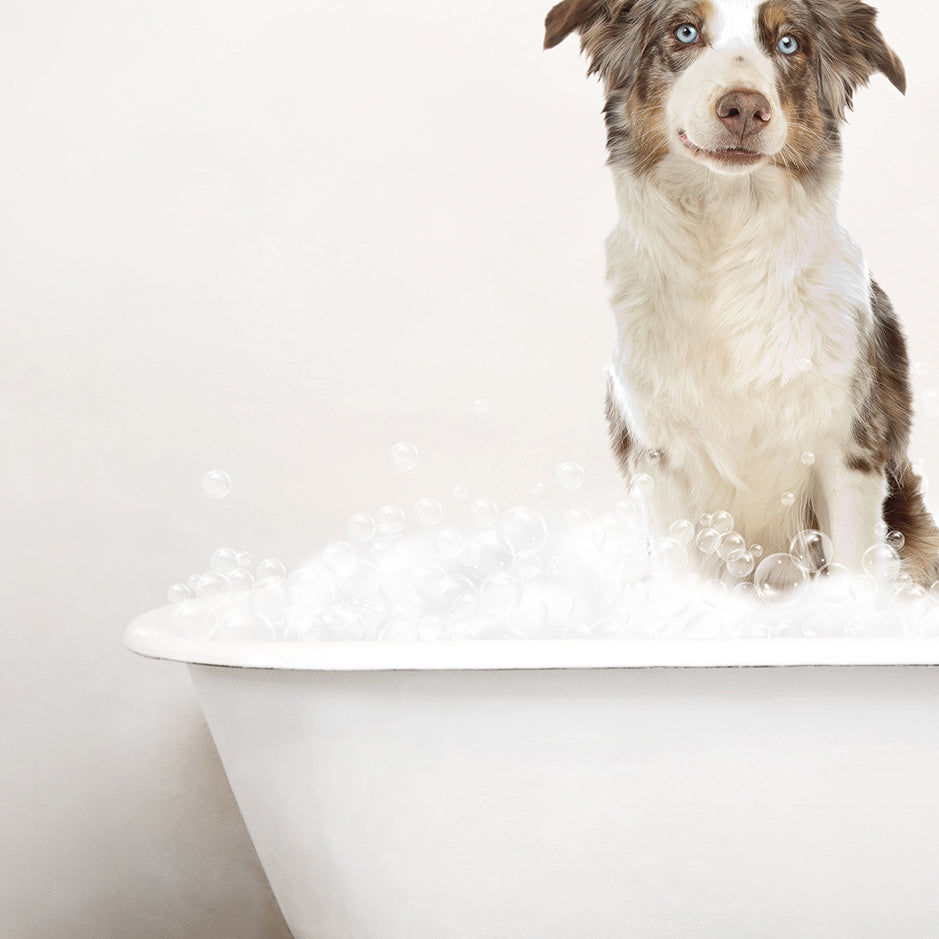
x=582 y=790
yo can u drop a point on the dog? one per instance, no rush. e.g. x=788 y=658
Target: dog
x=758 y=369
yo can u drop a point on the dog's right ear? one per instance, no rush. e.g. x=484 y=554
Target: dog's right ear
x=570 y=16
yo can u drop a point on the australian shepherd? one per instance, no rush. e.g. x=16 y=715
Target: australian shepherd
x=759 y=368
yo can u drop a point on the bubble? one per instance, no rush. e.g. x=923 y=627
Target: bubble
x=787 y=498
x=756 y=550
x=808 y=458
x=371 y=615
x=427 y=579
x=464 y=604
x=537 y=489
x=523 y=529
x=448 y=543
x=487 y=553
x=460 y=492
x=704 y=521
x=450 y=588
x=812 y=550
x=833 y=584
x=913 y=600
x=338 y=554
x=780 y=580
x=744 y=592
x=404 y=456
x=391 y=519
x=244 y=559
x=570 y=476
x=669 y=557
x=577 y=520
x=805 y=365
x=309 y=588
x=722 y=522
x=431 y=627
x=654 y=456
x=485 y=512
x=642 y=486
x=245 y=625
x=682 y=530
x=216 y=484
x=194 y=619
x=500 y=594
x=361 y=526
x=177 y=593
x=271 y=568
x=740 y=563
x=224 y=561
x=880 y=530
x=528 y=565
x=428 y=512
x=481 y=406
x=342 y=623
x=192 y=581
x=881 y=563
x=895 y=539
x=269 y=596
x=707 y=540
x=715 y=593
x=240 y=579
x=212 y=584
x=730 y=542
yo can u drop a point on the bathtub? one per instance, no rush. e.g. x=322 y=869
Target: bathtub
x=709 y=789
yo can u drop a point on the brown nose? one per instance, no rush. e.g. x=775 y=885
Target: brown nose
x=744 y=113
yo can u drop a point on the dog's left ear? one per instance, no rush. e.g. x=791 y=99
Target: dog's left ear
x=853 y=49
x=570 y=16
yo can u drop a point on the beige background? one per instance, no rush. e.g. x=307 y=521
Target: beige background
x=276 y=238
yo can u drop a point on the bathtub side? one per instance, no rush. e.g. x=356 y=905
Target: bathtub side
x=656 y=802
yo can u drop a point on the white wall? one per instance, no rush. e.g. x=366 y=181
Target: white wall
x=276 y=238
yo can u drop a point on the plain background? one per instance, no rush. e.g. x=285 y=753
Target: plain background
x=276 y=238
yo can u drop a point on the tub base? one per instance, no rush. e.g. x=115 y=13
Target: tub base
x=588 y=803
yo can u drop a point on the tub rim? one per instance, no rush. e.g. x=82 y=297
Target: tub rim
x=150 y=635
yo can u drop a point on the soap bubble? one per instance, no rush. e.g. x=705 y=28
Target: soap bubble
x=192 y=581
x=431 y=627
x=895 y=539
x=487 y=553
x=224 y=561
x=338 y=555
x=577 y=520
x=342 y=623
x=523 y=529
x=448 y=543
x=780 y=580
x=177 y=593
x=212 y=584
x=881 y=563
x=460 y=492
x=682 y=530
x=481 y=406
x=428 y=512
x=271 y=568
x=428 y=578
x=216 y=484
x=269 y=596
x=756 y=550
x=500 y=594
x=310 y=588
x=808 y=458
x=722 y=522
x=642 y=486
x=730 y=542
x=704 y=521
x=464 y=604
x=452 y=587
x=485 y=512
x=787 y=498
x=740 y=563
x=570 y=476
x=653 y=456
x=669 y=558
x=805 y=365
x=812 y=550
x=240 y=579
x=404 y=456
x=194 y=619
x=361 y=526
x=715 y=593
x=537 y=489
x=528 y=565
x=833 y=584
x=391 y=519
x=707 y=540
x=245 y=625
x=243 y=558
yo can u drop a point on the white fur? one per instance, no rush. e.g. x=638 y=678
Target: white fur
x=724 y=287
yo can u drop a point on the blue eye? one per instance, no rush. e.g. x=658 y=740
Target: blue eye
x=686 y=33
x=787 y=45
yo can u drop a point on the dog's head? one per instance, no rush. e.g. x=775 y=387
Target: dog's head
x=731 y=84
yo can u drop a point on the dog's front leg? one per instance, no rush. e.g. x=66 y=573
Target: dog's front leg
x=850 y=509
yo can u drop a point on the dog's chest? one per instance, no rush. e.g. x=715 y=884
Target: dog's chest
x=736 y=329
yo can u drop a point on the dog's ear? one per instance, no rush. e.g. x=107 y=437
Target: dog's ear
x=570 y=16
x=853 y=49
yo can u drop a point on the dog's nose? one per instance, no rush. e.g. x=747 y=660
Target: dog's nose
x=744 y=113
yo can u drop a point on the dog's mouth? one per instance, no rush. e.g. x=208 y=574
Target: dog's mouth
x=732 y=156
